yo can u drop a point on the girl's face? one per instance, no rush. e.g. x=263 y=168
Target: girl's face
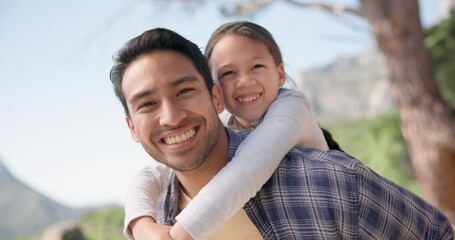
x=248 y=75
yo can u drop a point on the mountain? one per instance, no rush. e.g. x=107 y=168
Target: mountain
x=24 y=211
x=349 y=88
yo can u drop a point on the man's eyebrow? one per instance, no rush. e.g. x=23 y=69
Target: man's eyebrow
x=175 y=83
x=184 y=79
x=136 y=97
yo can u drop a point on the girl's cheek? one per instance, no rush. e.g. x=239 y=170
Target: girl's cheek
x=228 y=88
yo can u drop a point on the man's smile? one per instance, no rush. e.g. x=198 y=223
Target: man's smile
x=180 y=138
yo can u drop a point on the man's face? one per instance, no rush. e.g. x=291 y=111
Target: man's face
x=172 y=113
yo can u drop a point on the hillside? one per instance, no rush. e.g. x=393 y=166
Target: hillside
x=24 y=211
x=105 y=223
x=349 y=88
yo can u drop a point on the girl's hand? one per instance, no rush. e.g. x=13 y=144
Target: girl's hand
x=179 y=233
x=145 y=228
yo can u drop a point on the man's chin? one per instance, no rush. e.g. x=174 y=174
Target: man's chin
x=183 y=166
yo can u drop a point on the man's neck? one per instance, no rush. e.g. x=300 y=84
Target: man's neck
x=193 y=181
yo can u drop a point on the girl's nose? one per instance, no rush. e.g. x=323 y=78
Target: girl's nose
x=245 y=80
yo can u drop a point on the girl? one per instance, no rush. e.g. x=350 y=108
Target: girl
x=246 y=61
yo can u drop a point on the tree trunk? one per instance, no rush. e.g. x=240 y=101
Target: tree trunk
x=427 y=121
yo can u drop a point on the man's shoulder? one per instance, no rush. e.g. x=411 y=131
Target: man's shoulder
x=337 y=178
x=321 y=173
x=318 y=158
x=378 y=198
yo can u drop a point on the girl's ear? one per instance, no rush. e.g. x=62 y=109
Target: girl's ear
x=281 y=75
x=217 y=98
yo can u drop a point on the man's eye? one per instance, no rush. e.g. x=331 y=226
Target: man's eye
x=185 y=90
x=147 y=104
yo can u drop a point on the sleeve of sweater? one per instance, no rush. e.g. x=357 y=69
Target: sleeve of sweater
x=288 y=122
x=143 y=193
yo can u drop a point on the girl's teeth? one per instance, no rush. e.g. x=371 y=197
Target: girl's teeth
x=248 y=99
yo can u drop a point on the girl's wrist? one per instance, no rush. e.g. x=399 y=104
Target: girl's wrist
x=177 y=232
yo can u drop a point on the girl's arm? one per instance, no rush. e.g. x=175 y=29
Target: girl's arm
x=143 y=193
x=288 y=122
x=145 y=228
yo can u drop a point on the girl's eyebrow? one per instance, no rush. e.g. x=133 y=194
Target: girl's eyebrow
x=257 y=57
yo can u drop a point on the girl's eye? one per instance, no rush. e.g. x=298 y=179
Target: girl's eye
x=228 y=73
x=256 y=66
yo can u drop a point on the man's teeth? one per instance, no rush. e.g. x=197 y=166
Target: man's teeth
x=180 y=138
x=248 y=99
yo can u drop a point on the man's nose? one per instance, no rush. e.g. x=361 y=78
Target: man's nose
x=171 y=114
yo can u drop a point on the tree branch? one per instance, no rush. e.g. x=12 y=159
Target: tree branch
x=333 y=9
x=109 y=22
x=244 y=9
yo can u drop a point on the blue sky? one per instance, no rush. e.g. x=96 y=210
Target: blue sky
x=62 y=130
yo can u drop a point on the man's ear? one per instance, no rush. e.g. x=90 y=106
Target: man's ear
x=217 y=98
x=133 y=133
x=281 y=75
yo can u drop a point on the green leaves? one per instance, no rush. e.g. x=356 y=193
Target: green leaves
x=440 y=40
x=378 y=143
x=103 y=224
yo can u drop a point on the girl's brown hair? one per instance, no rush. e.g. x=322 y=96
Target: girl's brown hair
x=245 y=29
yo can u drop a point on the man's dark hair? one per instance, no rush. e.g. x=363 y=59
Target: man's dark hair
x=155 y=40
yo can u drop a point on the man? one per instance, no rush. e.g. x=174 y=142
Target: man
x=164 y=84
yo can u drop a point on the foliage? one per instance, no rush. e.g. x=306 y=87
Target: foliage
x=378 y=143
x=100 y=224
x=440 y=40
x=103 y=224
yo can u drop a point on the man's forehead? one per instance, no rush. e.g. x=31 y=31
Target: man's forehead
x=169 y=61
x=162 y=63
x=163 y=68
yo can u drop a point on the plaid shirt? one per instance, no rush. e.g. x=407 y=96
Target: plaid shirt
x=329 y=195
